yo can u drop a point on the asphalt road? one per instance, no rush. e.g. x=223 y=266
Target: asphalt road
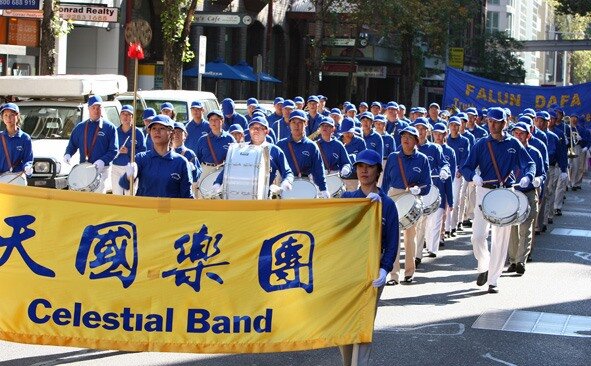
x=431 y=321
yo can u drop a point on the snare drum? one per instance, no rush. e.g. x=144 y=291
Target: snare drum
x=500 y=207
x=246 y=172
x=302 y=189
x=18 y=179
x=431 y=200
x=409 y=210
x=335 y=185
x=206 y=186
x=84 y=177
x=524 y=208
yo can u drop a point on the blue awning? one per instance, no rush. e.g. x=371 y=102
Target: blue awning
x=247 y=69
x=218 y=69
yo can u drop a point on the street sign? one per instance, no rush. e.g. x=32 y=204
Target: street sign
x=89 y=13
x=20 y=4
x=339 y=42
x=202 y=53
x=222 y=19
x=456 y=57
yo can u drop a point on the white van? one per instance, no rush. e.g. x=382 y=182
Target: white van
x=50 y=107
x=180 y=99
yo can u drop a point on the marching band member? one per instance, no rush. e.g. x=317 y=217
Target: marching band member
x=161 y=172
x=433 y=112
x=351 y=112
x=251 y=105
x=402 y=113
x=197 y=126
x=314 y=118
x=278 y=113
x=372 y=139
x=436 y=220
x=322 y=106
x=231 y=116
x=461 y=146
x=281 y=126
x=557 y=126
x=299 y=102
x=394 y=125
x=96 y=141
x=237 y=133
x=213 y=147
x=333 y=153
x=353 y=145
x=376 y=108
x=407 y=170
x=337 y=117
x=147 y=116
x=363 y=107
x=467 y=192
x=581 y=147
x=368 y=167
x=124 y=154
x=379 y=123
x=471 y=125
x=179 y=136
x=17 y=150
x=302 y=153
x=168 y=110
x=521 y=237
x=496 y=156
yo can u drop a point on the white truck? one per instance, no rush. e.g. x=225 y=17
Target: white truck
x=50 y=107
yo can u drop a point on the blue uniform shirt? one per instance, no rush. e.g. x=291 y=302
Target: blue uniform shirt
x=161 y=176
x=374 y=142
x=194 y=132
x=538 y=144
x=394 y=128
x=541 y=135
x=334 y=155
x=509 y=155
x=478 y=132
x=561 y=148
x=434 y=153
x=445 y=187
x=461 y=146
x=194 y=165
x=540 y=171
x=354 y=147
x=236 y=118
x=218 y=143
x=125 y=137
x=416 y=168
x=389 y=144
x=313 y=123
x=390 y=227
x=274 y=118
x=281 y=129
x=20 y=150
x=308 y=159
x=470 y=138
x=105 y=144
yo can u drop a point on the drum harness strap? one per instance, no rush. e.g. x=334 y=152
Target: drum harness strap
x=494 y=161
x=7 y=154
x=213 y=155
x=86 y=151
x=402 y=173
x=295 y=161
x=326 y=165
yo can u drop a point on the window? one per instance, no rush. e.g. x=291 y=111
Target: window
x=493 y=2
x=509 y=24
x=492 y=21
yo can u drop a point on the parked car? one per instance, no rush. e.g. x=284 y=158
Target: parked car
x=267 y=105
x=50 y=108
x=180 y=99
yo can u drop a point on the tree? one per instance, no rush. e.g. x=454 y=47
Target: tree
x=52 y=26
x=576 y=27
x=497 y=58
x=176 y=18
x=574 y=7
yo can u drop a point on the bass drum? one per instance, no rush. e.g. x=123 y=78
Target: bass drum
x=246 y=172
x=17 y=179
x=500 y=206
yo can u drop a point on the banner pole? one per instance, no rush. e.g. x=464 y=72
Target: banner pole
x=133 y=137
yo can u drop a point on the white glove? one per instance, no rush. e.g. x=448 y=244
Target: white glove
x=346 y=170
x=131 y=170
x=477 y=180
x=563 y=176
x=286 y=186
x=374 y=197
x=524 y=182
x=381 y=280
x=29 y=170
x=415 y=190
x=67 y=158
x=585 y=149
x=99 y=164
x=537 y=182
x=324 y=194
x=217 y=188
x=443 y=174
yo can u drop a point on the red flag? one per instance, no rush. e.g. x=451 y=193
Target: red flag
x=135 y=51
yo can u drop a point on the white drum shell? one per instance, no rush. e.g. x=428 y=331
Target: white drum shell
x=206 y=185
x=302 y=189
x=431 y=200
x=409 y=210
x=335 y=185
x=246 y=172
x=524 y=208
x=84 y=177
x=500 y=206
x=17 y=179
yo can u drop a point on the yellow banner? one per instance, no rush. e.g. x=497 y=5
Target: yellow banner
x=145 y=274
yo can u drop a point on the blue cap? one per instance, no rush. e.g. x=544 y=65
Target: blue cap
x=507 y=111
x=543 y=115
x=521 y=126
x=463 y=116
x=348 y=125
x=380 y=118
x=227 y=107
x=496 y=114
x=392 y=105
x=336 y=111
x=127 y=108
x=401 y=106
x=376 y=104
x=367 y=115
x=423 y=110
x=529 y=112
x=455 y=119
x=166 y=105
x=440 y=127
x=350 y=107
x=298 y=99
x=298 y=114
x=472 y=111
x=95 y=99
x=10 y=106
x=552 y=113
x=411 y=130
x=358 y=131
x=288 y=103
x=327 y=121
x=149 y=113
x=161 y=119
x=313 y=98
x=525 y=119
x=252 y=101
x=369 y=157
x=215 y=112
x=414 y=110
x=558 y=109
x=236 y=128
x=197 y=104
x=436 y=105
x=322 y=97
x=180 y=126
x=363 y=104
x=260 y=120
x=422 y=121
x=278 y=100
x=444 y=113
x=258 y=113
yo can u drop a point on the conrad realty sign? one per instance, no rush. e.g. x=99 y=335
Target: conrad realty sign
x=89 y=13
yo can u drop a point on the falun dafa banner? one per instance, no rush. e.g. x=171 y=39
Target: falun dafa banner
x=147 y=274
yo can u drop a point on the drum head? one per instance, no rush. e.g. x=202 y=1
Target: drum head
x=431 y=197
x=17 y=179
x=206 y=186
x=334 y=184
x=500 y=203
x=82 y=177
x=246 y=172
x=404 y=203
x=302 y=189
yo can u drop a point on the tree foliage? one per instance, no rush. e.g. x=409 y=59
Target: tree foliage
x=574 y=7
x=498 y=61
x=52 y=27
x=576 y=27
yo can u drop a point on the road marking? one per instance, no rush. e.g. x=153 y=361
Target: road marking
x=580 y=213
x=490 y=357
x=455 y=329
x=583 y=255
x=571 y=232
x=79 y=356
x=534 y=322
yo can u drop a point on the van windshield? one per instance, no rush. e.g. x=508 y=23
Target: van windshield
x=180 y=107
x=48 y=122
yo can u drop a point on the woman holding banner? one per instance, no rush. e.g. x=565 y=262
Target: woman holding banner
x=368 y=165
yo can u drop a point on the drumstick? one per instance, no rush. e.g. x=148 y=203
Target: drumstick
x=119 y=150
x=16 y=176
